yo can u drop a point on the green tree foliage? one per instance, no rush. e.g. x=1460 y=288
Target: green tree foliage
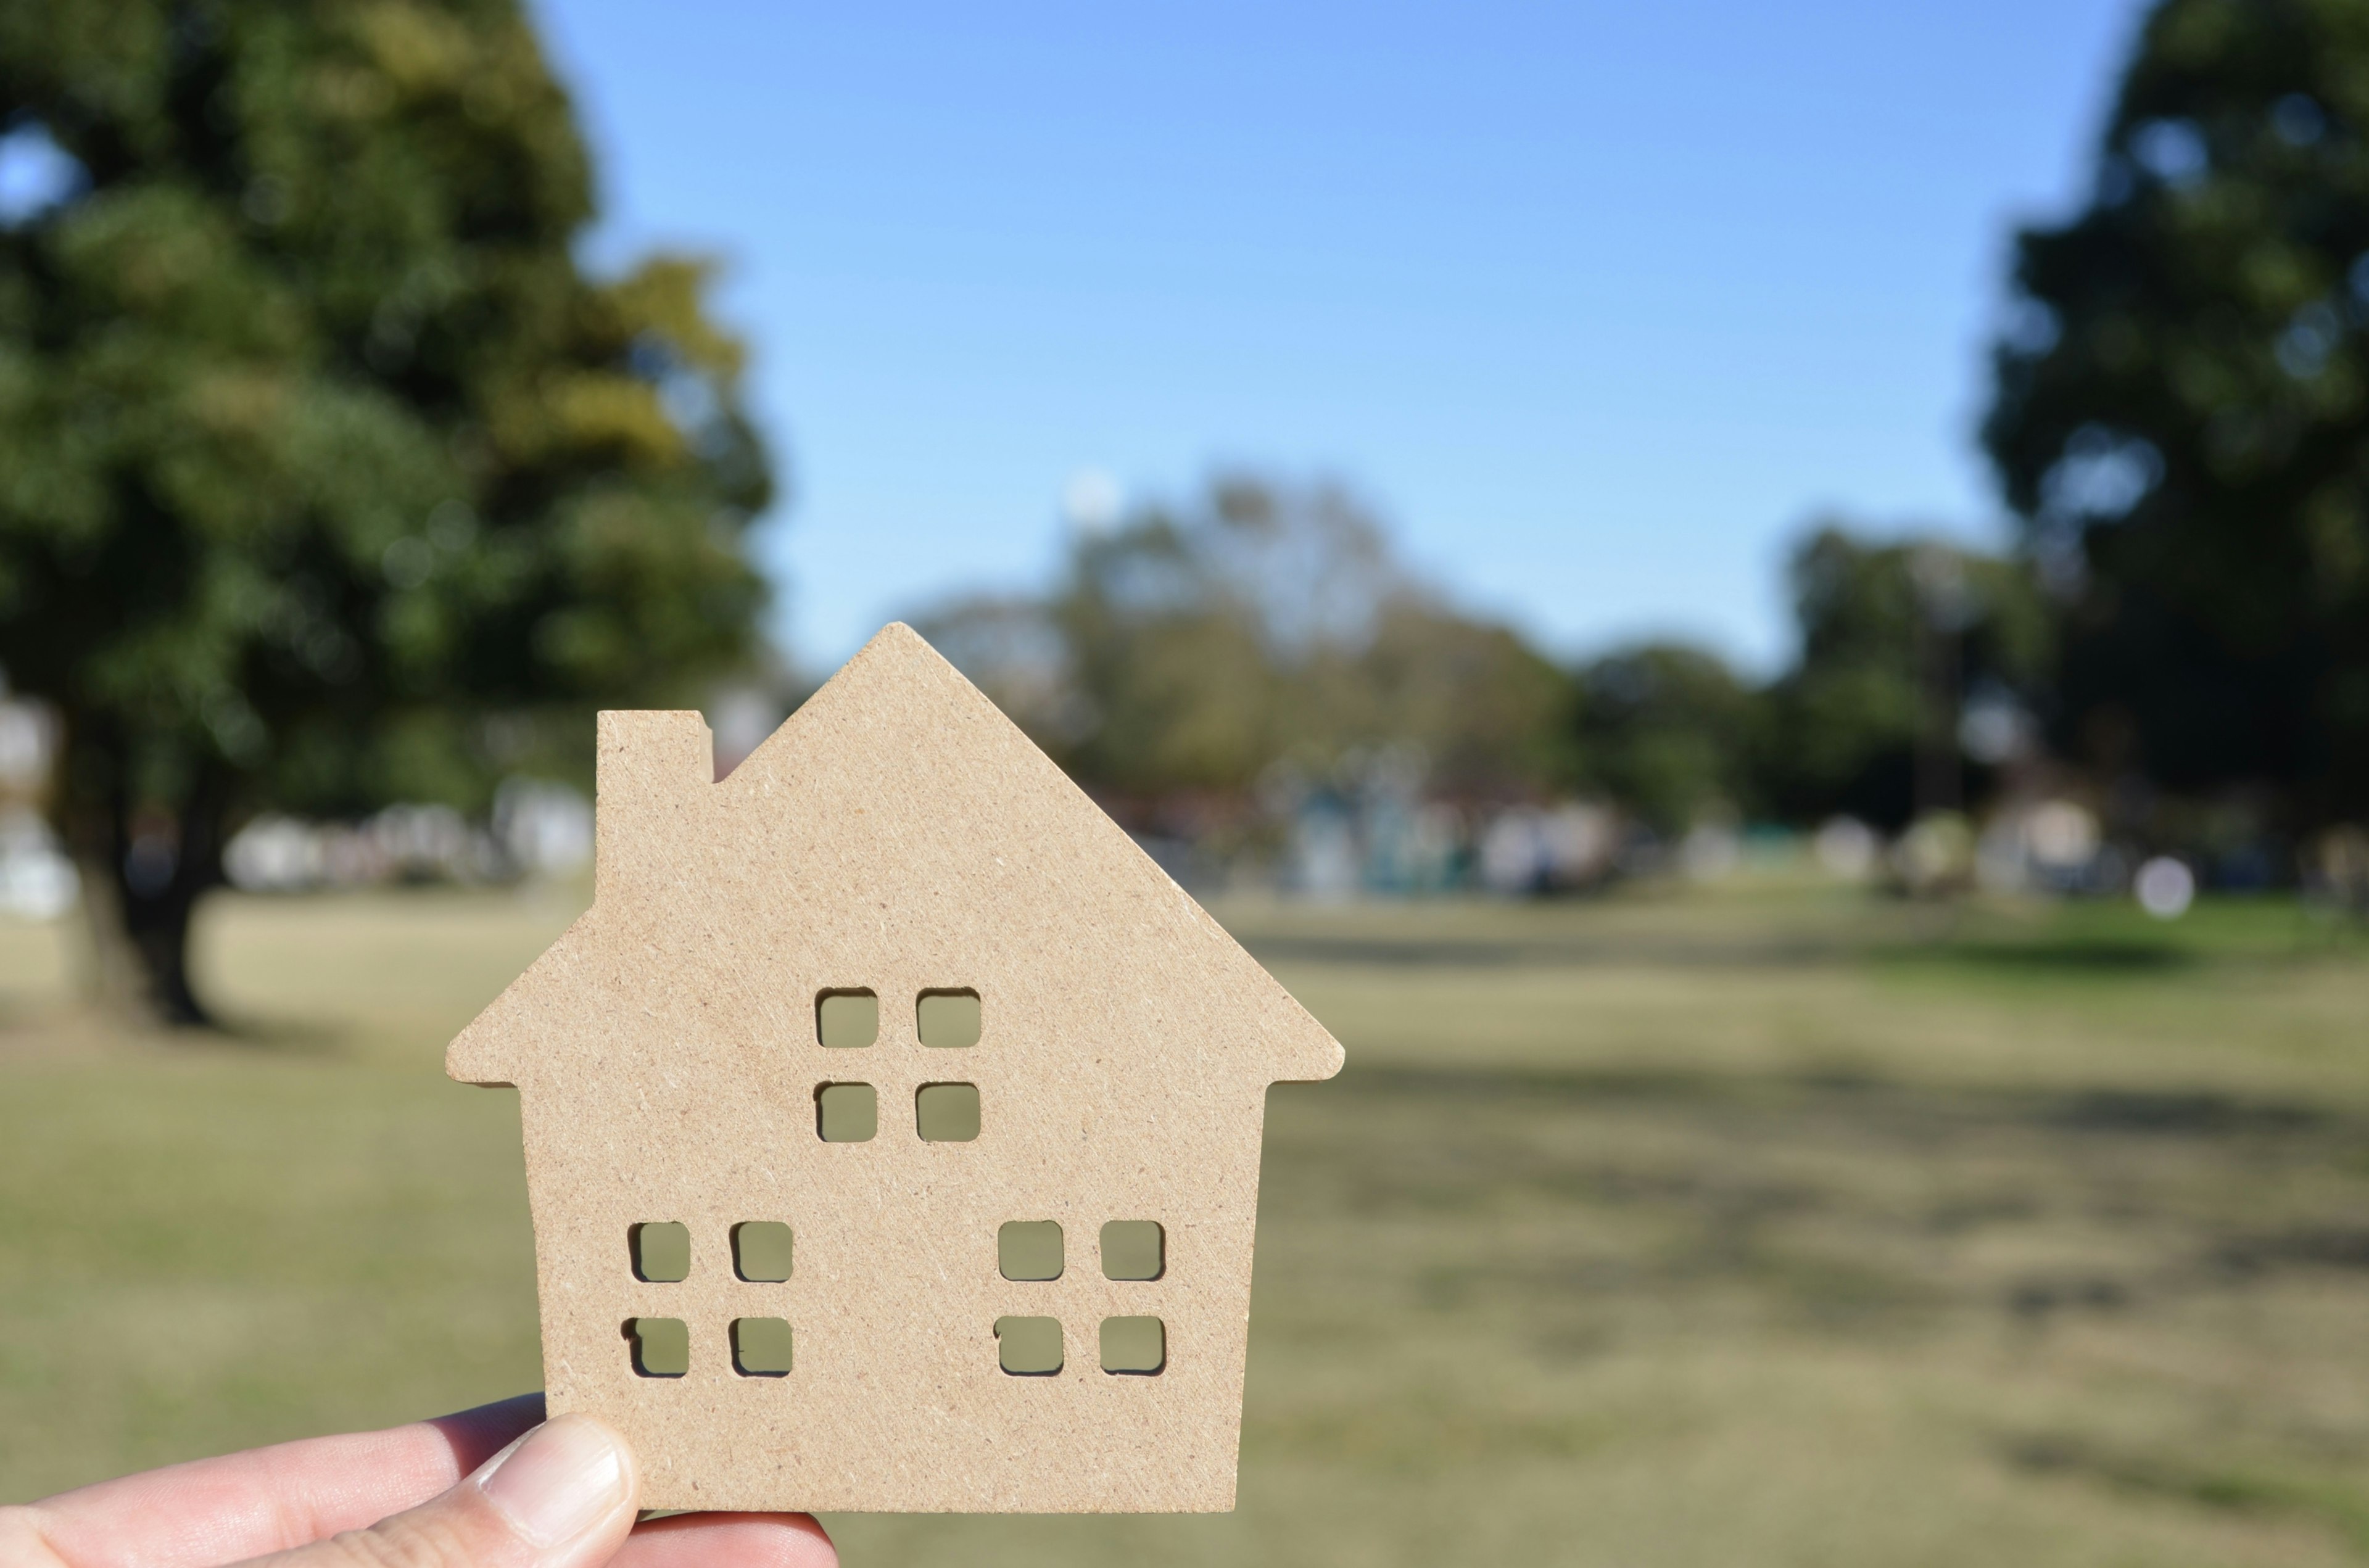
x=1894 y=636
x=2181 y=413
x=324 y=467
x=1191 y=650
x=1669 y=732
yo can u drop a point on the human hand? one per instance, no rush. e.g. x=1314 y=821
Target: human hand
x=487 y=1488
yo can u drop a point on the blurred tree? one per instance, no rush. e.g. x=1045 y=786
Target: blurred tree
x=1191 y=650
x=1893 y=637
x=2181 y=410
x=1485 y=709
x=1670 y=733
x=324 y=467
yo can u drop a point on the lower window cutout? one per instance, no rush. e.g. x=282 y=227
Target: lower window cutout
x=847 y=1020
x=761 y=1348
x=661 y=1347
x=946 y=1112
x=1028 y=1347
x=1134 y=1249
x=1138 y=1346
x=662 y=1251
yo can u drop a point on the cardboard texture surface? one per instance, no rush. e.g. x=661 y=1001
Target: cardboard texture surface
x=899 y=837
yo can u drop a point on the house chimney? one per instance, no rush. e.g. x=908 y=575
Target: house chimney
x=649 y=764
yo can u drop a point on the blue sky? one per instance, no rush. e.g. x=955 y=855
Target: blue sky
x=1596 y=302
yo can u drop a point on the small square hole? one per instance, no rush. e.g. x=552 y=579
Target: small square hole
x=661 y=1347
x=947 y=1020
x=947 y=1113
x=1138 y=1346
x=1028 y=1347
x=846 y=1112
x=761 y=1251
x=1029 y=1249
x=1134 y=1249
x=662 y=1251
x=761 y=1348
x=847 y=1020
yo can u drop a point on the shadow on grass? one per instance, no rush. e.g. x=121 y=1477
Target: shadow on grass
x=276 y=1036
x=82 y=1027
x=1484 y=953
x=2100 y=957
x=1874 y=1101
x=2341 y=1507
x=1826 y=1203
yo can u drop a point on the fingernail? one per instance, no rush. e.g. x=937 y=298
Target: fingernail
x=565 y=1477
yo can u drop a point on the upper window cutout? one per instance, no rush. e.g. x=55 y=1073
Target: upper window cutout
x=948 y=1020
x=1028 y=1347
x=846 y=1112
x=847 y=1020
x=946 y=1112
x=1134 y=1249
x=662 y=1251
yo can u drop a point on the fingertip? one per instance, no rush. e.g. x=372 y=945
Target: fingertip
x=565 y=1479
x=560 y=1496
x=729 y=1540
x=477 y=1434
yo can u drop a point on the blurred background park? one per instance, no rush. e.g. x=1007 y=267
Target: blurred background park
x=1767 y=615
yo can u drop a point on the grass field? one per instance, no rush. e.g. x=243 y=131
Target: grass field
x=1768 y=1225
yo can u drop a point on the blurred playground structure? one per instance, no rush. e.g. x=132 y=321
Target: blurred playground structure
x=1367 y=828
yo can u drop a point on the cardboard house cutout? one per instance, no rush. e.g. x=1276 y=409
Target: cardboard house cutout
x=954 y=1096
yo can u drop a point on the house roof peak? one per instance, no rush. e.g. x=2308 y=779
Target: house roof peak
x=899 y=805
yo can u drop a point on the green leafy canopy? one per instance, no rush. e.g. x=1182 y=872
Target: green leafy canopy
x=2181 y=414
x=323 y=465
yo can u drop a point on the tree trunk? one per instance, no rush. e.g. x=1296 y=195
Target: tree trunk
x=144 y=871
x=139 y=948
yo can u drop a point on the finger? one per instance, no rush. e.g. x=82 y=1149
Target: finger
x=728 y=1541
x=562 y=1496
x=240 y=1505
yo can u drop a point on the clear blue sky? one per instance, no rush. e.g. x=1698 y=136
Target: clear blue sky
x=1597 y=302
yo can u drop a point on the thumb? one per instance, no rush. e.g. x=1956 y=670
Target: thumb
x=561 y=1497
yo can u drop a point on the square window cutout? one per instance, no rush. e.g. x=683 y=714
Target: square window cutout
x=661 y=1347
x=1134 y=1249
x=1029 y=1249
x=761 y=1348
x=662 y=1251
x=847 y=1020
x=846 y=1112
x=1137 y=1346
x=947 y=1020
x=761 y=1251
x=946 y=1112
x=1028 y=1347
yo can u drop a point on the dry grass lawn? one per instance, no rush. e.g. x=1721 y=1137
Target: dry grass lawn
x=1767 y=1226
